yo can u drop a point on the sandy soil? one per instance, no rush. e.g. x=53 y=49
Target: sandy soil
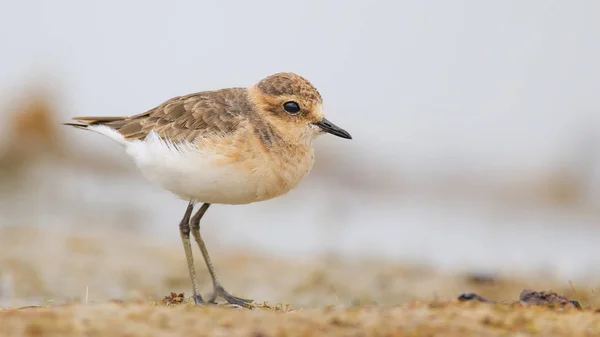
x=55 y=283
x=412 y=319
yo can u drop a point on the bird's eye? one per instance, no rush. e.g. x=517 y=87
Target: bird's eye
x=291 y=107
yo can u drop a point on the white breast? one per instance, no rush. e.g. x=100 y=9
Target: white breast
x=192 y=174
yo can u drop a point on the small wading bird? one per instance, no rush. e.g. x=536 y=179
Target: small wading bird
x=230 y=146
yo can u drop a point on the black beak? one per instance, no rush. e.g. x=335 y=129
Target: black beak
x=329 y=127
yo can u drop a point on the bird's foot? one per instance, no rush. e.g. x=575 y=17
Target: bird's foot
x=220 y=292
x=198 y=299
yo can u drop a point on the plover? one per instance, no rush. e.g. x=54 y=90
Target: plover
x=229 y=146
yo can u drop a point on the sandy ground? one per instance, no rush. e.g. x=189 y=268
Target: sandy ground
x=414 y=319
x=55 y=283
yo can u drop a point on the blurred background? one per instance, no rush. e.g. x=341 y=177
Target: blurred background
x=476 y=147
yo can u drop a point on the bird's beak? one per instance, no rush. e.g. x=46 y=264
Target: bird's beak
x=329 y=127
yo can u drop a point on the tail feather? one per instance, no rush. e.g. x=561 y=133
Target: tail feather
x=101 y=125
x=77 y=125
x=112 y=122
x=98 y=120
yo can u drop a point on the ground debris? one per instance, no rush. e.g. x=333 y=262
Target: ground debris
x=173 y=299
x=531 y=297
x=472 y=297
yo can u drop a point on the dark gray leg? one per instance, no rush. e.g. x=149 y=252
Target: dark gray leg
x=184 y=230
x=217 y=287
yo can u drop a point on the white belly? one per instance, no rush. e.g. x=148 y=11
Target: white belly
x=193 y=174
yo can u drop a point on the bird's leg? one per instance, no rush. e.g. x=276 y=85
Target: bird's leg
x=217 y=287
x=184 y=230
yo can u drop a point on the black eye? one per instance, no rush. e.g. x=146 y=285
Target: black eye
x=291 y=107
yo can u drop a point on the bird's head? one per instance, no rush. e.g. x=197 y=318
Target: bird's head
x=293 y=106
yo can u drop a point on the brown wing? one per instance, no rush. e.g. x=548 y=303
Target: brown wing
x=183 y=118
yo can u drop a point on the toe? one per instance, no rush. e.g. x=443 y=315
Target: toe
x=239 y=301
x=220 y=292
x=198 y=300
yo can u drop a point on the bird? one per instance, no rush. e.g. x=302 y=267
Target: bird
x=230 y=146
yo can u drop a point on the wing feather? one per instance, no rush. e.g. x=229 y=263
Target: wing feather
x=183 y=118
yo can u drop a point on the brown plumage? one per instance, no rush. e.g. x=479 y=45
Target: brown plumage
x=183 y=118
x=233 y=146
x=218 y=112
